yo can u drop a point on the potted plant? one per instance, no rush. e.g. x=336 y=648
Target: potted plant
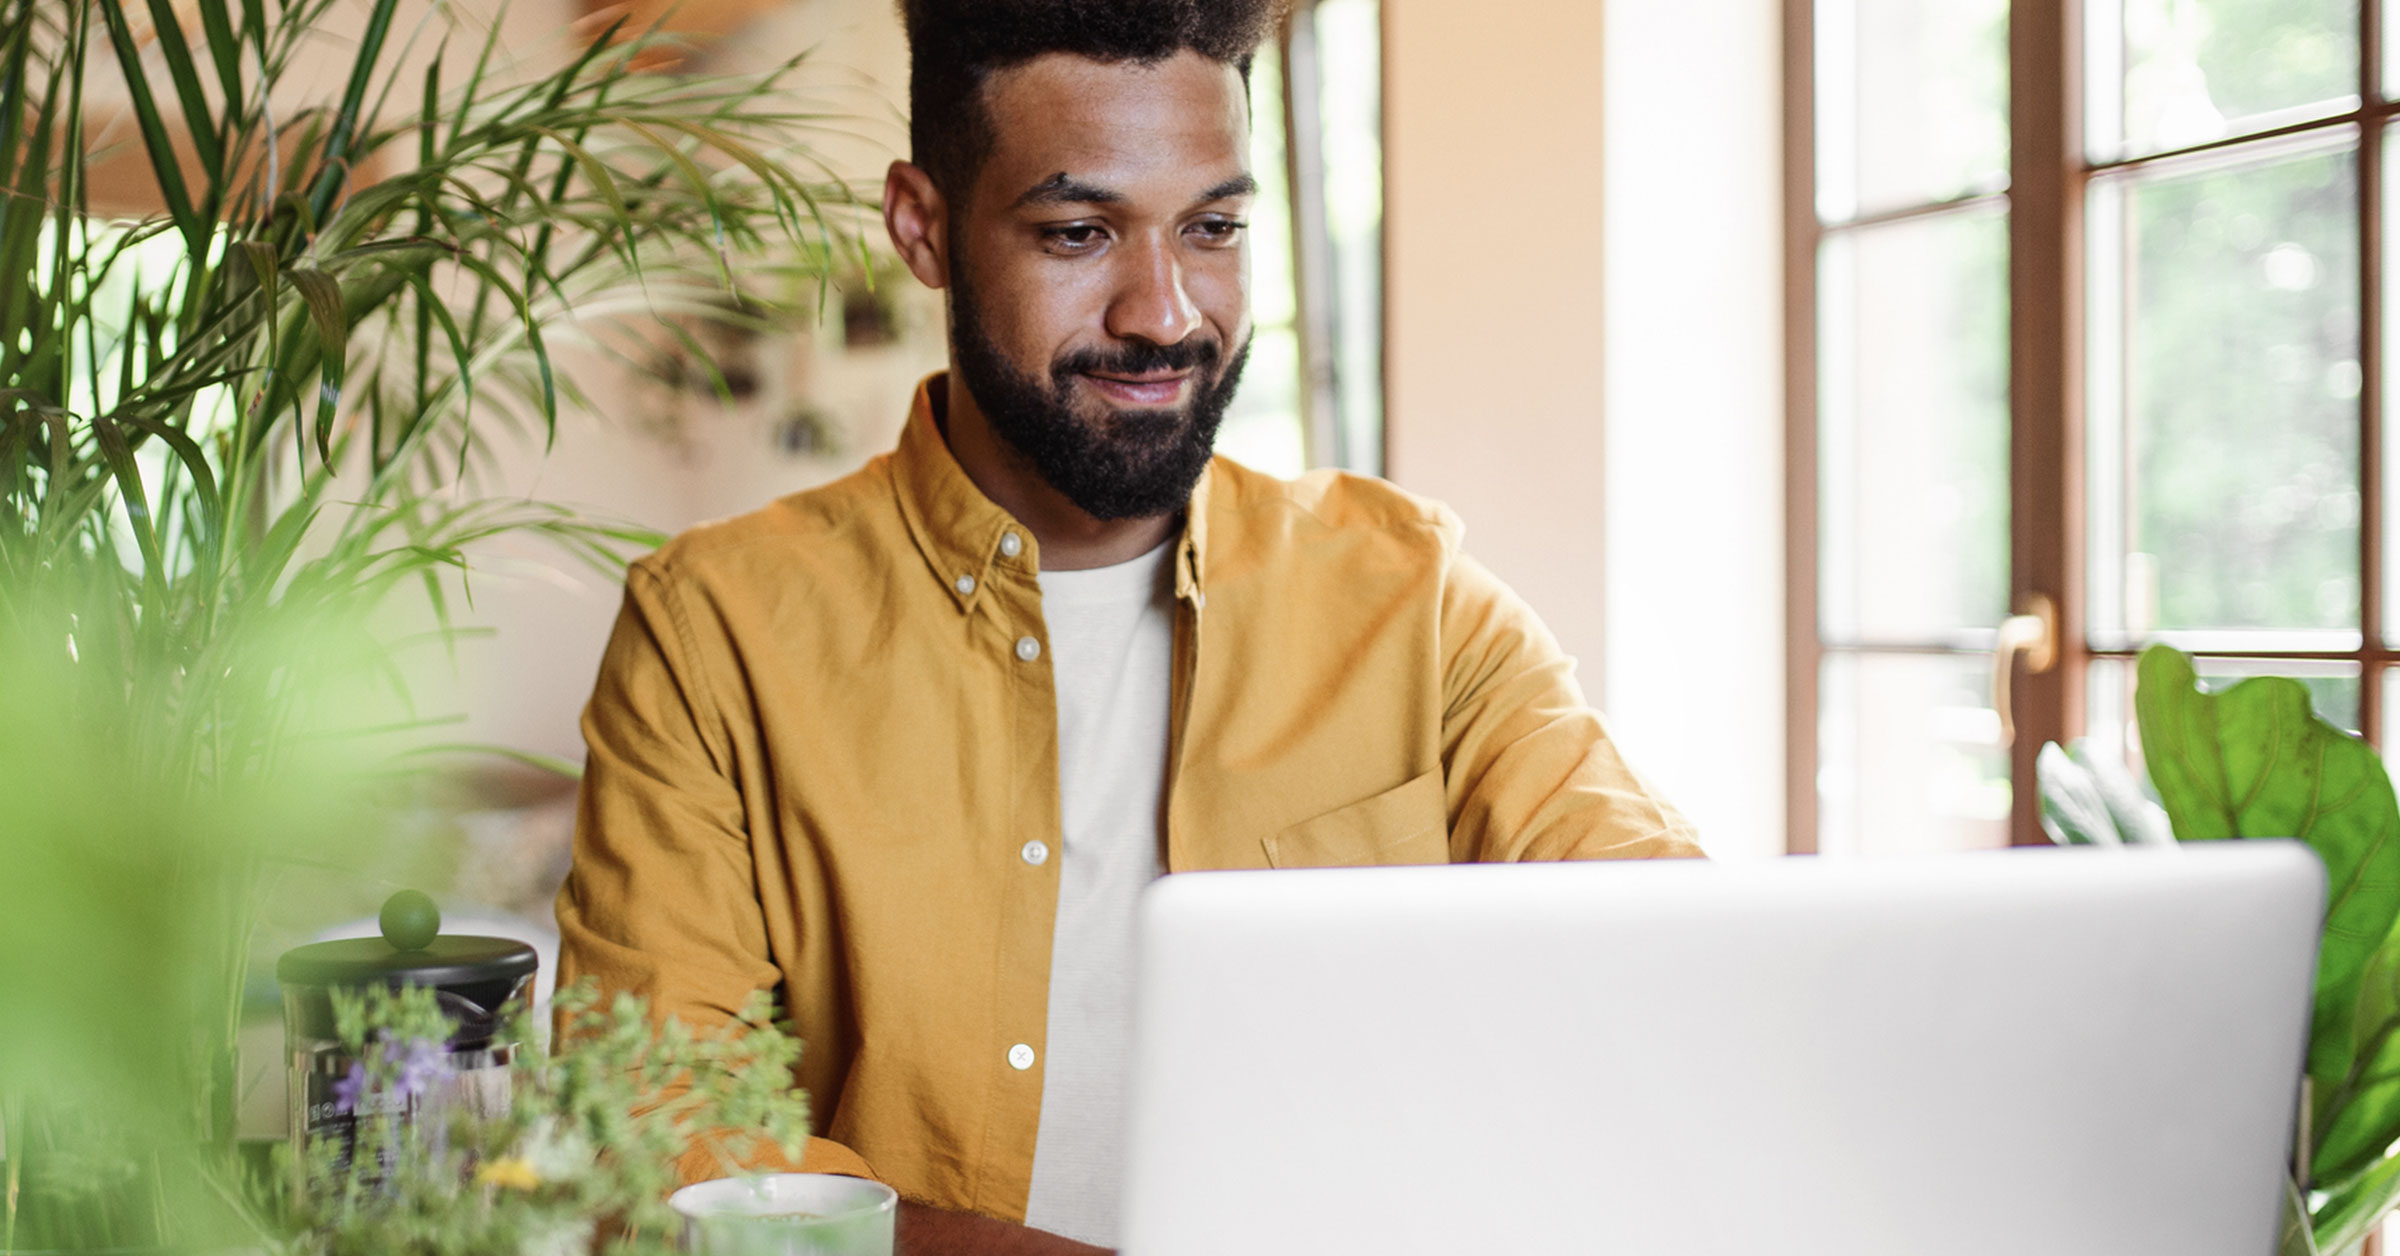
x=234 y=430
x=2256 y=761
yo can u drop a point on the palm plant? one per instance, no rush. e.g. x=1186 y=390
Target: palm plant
x=233 y=429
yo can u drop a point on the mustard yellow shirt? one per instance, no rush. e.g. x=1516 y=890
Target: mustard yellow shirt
x=823 y=731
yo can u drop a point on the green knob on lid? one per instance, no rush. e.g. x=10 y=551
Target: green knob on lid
x=410 y=921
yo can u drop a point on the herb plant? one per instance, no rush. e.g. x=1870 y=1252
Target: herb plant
x=590 y=1135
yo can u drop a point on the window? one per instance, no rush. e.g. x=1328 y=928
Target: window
x=2087 y=313
x=1312 y=394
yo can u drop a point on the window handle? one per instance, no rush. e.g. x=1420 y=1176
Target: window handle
x=2032 y=632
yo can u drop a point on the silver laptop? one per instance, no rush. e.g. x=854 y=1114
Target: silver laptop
x=2022 y=1053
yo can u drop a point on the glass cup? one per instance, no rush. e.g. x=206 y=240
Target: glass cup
x=787 y=1214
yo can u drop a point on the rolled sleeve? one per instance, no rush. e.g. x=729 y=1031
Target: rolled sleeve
x=1530 y=769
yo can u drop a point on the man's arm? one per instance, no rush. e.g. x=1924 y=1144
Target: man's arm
x=662 y=898
x=929 y=1231
x=1529 y=768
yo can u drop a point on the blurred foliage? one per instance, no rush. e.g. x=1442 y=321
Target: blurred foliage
x=2259 y=56
x=2244 y=382
x=232 y=432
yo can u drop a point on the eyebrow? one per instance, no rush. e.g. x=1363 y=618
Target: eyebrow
x=1059 y=189
x=1064 y=189
x=1239 y=185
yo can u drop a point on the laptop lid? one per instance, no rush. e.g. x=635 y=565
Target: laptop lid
x=2053 y=1052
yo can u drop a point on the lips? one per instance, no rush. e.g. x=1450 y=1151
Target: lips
x=1163 y=388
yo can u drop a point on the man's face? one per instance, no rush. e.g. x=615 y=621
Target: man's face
x=1100 y=310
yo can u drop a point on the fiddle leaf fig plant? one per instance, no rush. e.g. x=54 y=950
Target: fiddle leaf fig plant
x=2255 y=761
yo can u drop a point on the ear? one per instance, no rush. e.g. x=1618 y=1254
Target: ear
x=918 y=220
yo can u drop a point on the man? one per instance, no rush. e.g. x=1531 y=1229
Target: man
x=905 y=748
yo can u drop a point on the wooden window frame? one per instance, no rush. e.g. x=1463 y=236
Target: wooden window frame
x=2049 y=177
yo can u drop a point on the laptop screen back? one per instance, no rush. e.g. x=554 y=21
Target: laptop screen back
x=2053 y=1052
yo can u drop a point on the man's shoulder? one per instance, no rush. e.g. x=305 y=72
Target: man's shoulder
x=836 y=523
x=1260 y=505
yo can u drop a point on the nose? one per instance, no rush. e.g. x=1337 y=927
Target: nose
x=1151 y=302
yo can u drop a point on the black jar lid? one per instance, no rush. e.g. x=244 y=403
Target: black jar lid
x=475 y=978
x=447 y=962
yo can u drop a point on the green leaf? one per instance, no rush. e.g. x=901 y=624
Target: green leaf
x=570 y=769
x=2363 y=1114
x=323 y=296
x=2342 y=1221
x=198 y=122
x=522 y=303
x=163 y=161
x=2073 y=812
x=2138 y=817
x=224 y=48
x=265 y=270
x=2255 y=761
x=334 y=171
x=128 y=473
x=2298 y=1239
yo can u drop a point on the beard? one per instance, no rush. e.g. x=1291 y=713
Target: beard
x=1118 y=464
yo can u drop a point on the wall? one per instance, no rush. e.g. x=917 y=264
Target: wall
x=1586 y=353
x=1694 y=482
x=1492 y=212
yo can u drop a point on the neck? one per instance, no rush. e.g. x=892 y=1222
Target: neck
x=1070 y=539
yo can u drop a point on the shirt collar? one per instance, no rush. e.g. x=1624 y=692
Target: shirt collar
x=964 y=535
x=1190 y=552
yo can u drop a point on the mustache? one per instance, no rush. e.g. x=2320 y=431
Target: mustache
x=1138 y=357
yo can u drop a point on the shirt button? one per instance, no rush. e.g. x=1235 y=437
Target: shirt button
x=1020 y=1057
x=966 y=585
x=1011 y=544
x=1028 y=649
x=1036 y=852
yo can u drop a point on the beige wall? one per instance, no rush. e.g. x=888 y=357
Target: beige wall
x=1583 y=207
x=1492 y=205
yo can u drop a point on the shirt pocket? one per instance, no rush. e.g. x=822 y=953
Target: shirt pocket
x=1406 y=825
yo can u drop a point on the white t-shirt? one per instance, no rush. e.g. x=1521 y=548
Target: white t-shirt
x=1112 y=646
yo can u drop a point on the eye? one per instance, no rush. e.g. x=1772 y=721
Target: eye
x=1219 y=232
x=1073 y=238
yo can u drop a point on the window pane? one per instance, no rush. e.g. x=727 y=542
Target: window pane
x=2108 y=722
x=1912 y=102
x=1273 y=299
x=2223 y=414
x=1262 y=426
x=2391 y=695
x=1913 y=498
x=2168 y=73
x=1350 y=44
x=2391 y=399
x=2391 y=62
x=1909 y=756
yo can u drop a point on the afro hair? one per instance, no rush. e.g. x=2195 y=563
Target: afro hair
x=955 y=46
